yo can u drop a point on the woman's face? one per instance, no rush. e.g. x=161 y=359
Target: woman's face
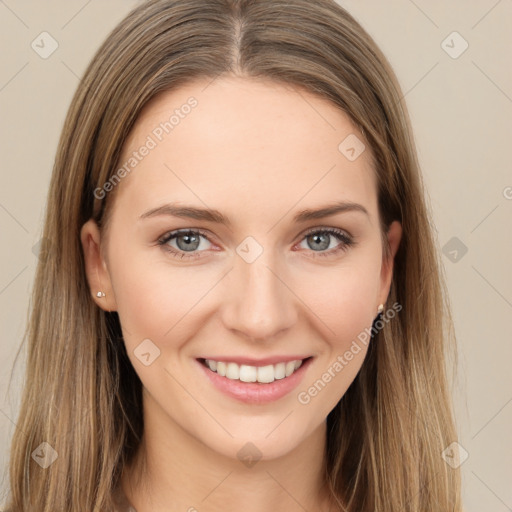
x=261 y=279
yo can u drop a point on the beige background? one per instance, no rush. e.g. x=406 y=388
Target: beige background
x=461 y=112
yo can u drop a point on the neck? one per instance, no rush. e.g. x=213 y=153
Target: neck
x=174 y=471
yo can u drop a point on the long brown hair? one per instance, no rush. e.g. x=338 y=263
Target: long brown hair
x=82 y=396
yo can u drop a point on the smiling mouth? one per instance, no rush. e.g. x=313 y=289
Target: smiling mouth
x=248 y=373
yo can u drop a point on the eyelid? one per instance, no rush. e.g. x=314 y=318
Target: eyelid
x=345 y=238
x=207 y=234
x=328 y=229
x=173 y=234
x=183 y=231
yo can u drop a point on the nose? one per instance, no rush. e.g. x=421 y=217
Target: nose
x=258 y=303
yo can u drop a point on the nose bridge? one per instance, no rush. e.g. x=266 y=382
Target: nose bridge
x=259 y=305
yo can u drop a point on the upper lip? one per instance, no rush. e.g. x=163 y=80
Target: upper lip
x=256 y=362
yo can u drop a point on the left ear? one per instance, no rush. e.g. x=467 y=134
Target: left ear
x=96 y=268
x=394 y=235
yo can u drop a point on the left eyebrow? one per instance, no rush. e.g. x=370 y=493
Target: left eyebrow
x=212 y=215
x=327 y=211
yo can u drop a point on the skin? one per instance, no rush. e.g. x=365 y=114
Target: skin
x=259 y=152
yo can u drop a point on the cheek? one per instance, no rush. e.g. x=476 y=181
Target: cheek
x=151 y=297
x=343 y=302
x=343 y=298
x=160 y=301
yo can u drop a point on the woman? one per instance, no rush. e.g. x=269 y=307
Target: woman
x=242 y=305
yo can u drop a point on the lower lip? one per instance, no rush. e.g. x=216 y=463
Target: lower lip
x=255 y=392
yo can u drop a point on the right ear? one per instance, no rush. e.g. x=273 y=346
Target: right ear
x=96 y=268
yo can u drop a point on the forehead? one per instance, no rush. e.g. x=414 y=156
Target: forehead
x=239 y=144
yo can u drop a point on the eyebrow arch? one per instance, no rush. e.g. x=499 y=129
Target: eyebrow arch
x=213 y=215
x=327 y=211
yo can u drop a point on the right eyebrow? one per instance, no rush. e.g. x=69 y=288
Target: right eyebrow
x=212 y=215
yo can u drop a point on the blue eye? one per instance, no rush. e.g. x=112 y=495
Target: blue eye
x=320 y=236
x=189 y=240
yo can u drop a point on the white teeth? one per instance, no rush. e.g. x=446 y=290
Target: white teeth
x=290 y=367
x=265 y=374
x=221 y=368
x=247 y=373
x=232 y=371
x=279 y=371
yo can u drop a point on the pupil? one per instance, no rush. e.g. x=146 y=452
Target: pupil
x=318 y=239
x=190 y=239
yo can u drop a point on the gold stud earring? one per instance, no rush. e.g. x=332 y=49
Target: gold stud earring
x=380 y=309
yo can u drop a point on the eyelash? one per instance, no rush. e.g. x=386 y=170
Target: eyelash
x=346 y=240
